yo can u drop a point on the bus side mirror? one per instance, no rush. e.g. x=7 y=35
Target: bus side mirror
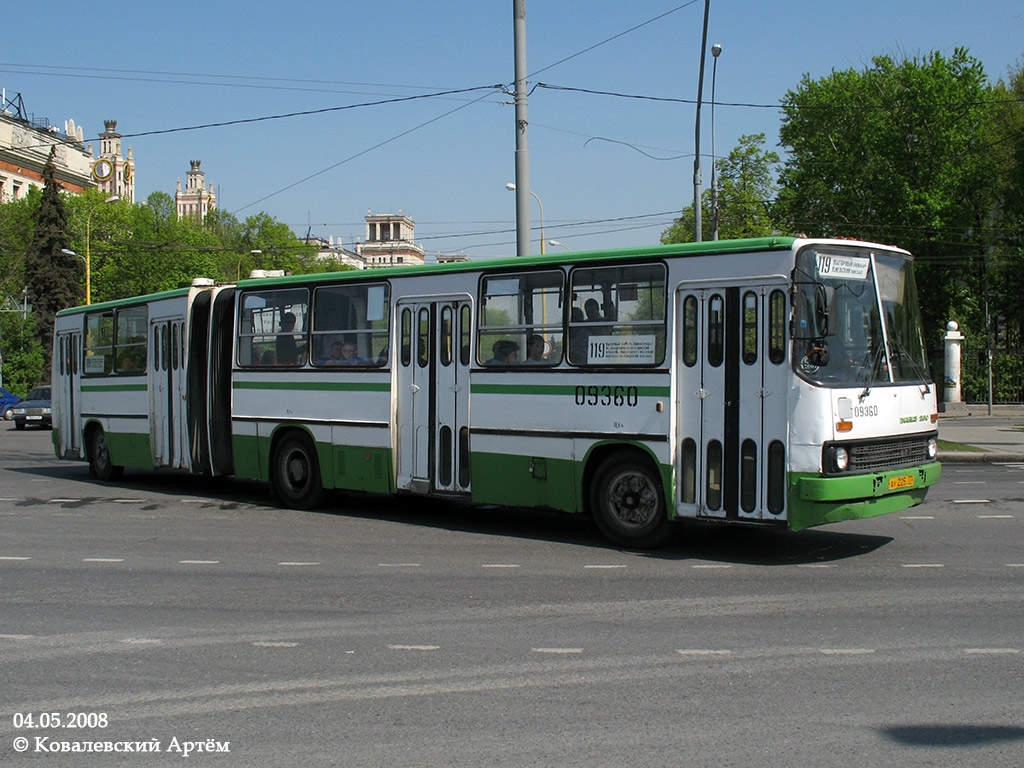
x=821 y=310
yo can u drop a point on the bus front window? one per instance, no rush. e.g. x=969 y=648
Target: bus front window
x=843 y=298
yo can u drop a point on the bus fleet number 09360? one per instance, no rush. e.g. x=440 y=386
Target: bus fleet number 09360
x=607 y=395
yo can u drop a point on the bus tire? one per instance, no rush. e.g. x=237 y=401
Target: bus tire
x=627 y=502
x=295 y=473
x=100 y=465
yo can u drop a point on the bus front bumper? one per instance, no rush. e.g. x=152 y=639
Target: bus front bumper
x=816 y=500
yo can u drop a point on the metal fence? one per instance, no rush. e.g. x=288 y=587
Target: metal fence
x=1007 y=376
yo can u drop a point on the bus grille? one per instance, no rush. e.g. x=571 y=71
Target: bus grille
x=891 y=454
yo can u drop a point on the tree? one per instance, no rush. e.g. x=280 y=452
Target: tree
x=53 y=278
x=746 y=192
x=24 y=358
x=899 y=153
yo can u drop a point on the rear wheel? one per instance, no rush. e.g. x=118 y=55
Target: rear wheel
x=100 y=465
x=296 y=473
x=628 y=504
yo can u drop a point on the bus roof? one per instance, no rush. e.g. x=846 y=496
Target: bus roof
x=704 y=248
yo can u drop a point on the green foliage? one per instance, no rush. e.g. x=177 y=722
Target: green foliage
x=746 y=192
x=24 y=360
x=897 y=153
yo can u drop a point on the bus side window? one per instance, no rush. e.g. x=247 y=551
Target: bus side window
x=521 y=319
x=777 y=327
x=99 y=343
x=272 y=328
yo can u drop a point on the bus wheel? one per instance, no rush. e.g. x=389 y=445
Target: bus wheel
x=296 y=473
x=100 y=465
x=628 y=504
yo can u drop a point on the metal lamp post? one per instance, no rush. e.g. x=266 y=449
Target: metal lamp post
x=88 y=262
x=511 y=187
x=716 y=51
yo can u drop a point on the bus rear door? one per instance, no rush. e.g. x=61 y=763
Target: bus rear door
x=68 y=392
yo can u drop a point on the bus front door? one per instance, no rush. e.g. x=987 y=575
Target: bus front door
x=731 y=401
x=167 y=392
x=68 y=397
x=432 y=391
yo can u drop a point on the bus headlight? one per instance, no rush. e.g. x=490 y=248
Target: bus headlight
x=840 y=458
x=933 y=447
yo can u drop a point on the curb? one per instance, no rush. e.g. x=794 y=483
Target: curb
x=979 y=457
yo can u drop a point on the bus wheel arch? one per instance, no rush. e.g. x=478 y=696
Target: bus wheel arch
x=98 y=450
x=295 y=469
x=626 y=497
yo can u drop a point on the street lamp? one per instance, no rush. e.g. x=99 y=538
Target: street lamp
x=88 y=263
x=560 y=245
x=716 y=51
x=511 y=187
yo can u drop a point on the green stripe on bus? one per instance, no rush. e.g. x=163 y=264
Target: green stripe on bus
x=313 y=386
x=554 y=389
x=114 y=387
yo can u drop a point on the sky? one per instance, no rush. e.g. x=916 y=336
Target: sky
x=337 y=109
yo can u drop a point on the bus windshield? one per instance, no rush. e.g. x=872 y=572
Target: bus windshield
x=857 y=319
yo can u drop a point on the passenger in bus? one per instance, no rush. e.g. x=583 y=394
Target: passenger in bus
x=535 y=350
x=269 y=358
x=287 y=347
x=505 y=353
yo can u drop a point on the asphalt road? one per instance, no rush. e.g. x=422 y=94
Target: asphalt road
x=404 y=632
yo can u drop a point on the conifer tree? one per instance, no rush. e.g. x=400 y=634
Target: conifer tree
x=51 y=276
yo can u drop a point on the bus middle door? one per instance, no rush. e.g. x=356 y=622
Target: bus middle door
x=432 y=389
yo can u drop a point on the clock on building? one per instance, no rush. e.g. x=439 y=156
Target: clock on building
x=102 y=169
x=127 y=172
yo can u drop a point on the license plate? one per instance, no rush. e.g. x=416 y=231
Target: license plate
x=34 y=418
x=904 y=481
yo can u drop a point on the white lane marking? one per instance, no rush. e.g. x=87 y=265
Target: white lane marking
x=414 y=647
x=194 y=501
x=198 y=562
x=604 y=567
x=62 y=501
x=102 y=559
x=297 y=563
x=500 y=565
x=557 y=651
x=991 y=651
x=709 y=567
x=274 y=644
x=817 y=565
x=995 y=517
x=16 y=637
x=1015 y=565
x=972 y=501
x=917 y=517
x=399 y=565
x=127 y=501
x=12 y=557
x=141 y=641
x=702 y=652
x=922 y=565
x=969 y=482
x=846 y=651
x=7 y=498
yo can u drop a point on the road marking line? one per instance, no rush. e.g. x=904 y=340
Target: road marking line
x=399 y=565
x=62 y=501
x=198 y=562
x=102 y=559
x=300 y=564
x=414 y=647
x=16 y=637
x=12 y=557
x=846 y=651
x=922 y=565
x=969 y=482
x=972 y=501
x=917 y=517
x=995 y=517
x=141 y=641
x=499 y=565
x=991 y=651
x=274 y=644
x=816 y=565
x=603 y=567
x=1015 y=565
x=708 y=567
x=559 y=651
x=127 y=501
x=702 y=652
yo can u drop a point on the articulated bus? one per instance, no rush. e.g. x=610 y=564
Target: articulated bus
x=775 y=381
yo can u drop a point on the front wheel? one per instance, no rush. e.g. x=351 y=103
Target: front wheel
x=628 y=504
x=295 y=473
x=100 y=465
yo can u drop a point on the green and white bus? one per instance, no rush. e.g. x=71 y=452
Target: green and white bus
x=775 y=381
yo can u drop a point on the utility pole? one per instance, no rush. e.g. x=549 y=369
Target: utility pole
x=522 y=153
x=697 y=234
